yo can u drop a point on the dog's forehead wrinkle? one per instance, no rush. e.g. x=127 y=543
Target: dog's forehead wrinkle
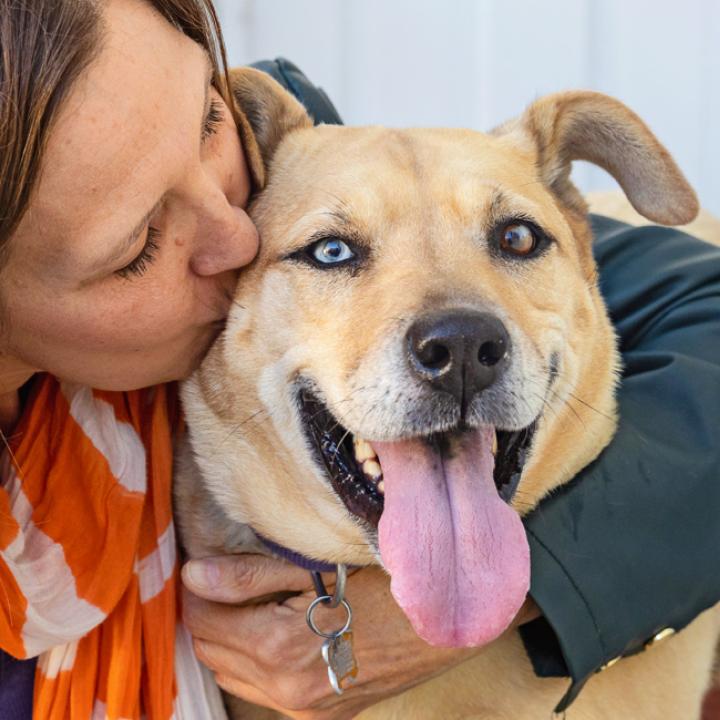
x=402 y=149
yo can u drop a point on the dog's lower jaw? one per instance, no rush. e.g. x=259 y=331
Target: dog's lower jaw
x=246 y=480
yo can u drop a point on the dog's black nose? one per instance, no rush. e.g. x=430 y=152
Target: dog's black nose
x=460 y=352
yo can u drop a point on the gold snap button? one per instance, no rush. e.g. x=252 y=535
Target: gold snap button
x=610 y=663
x=666 y=633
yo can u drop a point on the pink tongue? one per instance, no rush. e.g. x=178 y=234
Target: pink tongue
x=457 y=554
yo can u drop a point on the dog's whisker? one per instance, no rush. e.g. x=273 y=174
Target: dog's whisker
x=564 y=402
x=546 y=403
x=591 y=407
x=253 y=417
x=339 y=445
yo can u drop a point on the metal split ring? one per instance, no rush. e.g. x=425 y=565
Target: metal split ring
x=322 y=600
x=340 y=581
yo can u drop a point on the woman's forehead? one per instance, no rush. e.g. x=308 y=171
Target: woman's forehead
x=119 y=132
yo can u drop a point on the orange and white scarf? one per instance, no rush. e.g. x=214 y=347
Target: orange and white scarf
x=88 y=567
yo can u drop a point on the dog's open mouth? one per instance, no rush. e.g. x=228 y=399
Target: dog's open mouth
x=355 y=471
x=456 y=551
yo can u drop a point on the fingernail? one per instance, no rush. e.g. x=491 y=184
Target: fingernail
x=203 y=574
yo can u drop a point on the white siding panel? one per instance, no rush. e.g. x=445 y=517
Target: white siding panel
x=709 y=182
x=650 y=59
x=474 y=63
x=409 y=62
x=236 y=18
x=530 y=48
x=308 y=32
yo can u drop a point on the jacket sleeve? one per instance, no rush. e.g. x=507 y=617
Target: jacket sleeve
x=316 y=102
x=628 y=548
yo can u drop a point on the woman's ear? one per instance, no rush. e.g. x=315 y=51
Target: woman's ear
x=267 y=112
x=583 y=125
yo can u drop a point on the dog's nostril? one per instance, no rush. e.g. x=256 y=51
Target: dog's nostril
x=491 y=353
x=458 y=351
x=434 y=356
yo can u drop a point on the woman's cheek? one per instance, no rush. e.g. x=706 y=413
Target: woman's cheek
x=126 y=320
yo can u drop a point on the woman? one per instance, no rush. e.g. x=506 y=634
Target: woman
x=122 y=228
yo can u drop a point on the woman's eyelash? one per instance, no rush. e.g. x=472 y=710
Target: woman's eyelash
x=213 y=119
x=140 y=264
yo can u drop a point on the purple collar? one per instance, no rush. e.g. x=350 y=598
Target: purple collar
x=305 y=563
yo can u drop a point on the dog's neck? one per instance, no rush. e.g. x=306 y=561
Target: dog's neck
x=296 y=558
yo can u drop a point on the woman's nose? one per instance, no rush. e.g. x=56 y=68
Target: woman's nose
x=227 y=240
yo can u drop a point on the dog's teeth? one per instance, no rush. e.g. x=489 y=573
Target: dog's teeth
x=494 y=445
x=381 y=487
x=372 y=469
x=363 y=450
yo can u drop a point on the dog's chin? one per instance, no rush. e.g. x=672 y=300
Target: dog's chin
x=355 y=473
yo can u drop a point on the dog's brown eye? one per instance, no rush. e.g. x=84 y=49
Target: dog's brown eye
x=518 y=240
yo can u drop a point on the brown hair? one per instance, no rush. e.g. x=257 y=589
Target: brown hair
x=44 y=46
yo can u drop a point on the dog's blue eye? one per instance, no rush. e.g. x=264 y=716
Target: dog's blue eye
x=331 y=251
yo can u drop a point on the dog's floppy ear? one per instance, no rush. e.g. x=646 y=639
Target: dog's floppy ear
x=583 y=125
x=267 y=112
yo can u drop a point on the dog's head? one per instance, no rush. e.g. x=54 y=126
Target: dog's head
x=420 y=351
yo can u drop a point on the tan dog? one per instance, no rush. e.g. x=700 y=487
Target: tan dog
x=418 y=355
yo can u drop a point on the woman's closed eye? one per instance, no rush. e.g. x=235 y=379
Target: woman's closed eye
x=140 y=263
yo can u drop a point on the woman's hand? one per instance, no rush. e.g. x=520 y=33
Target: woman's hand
x=266 y=654
x=13 y=375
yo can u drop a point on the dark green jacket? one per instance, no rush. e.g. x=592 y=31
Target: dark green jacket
x=631 y=546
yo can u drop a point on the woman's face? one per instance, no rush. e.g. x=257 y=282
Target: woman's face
x=122 y=270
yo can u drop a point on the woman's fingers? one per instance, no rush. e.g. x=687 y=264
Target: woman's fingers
x=263 y=657
x=266 y=654
x=254 y=642
x=241 y=578
x=220 y=623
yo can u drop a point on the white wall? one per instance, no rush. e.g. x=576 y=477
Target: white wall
x=474 y=63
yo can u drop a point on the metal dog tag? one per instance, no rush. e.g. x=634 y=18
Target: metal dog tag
x=337 y=652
